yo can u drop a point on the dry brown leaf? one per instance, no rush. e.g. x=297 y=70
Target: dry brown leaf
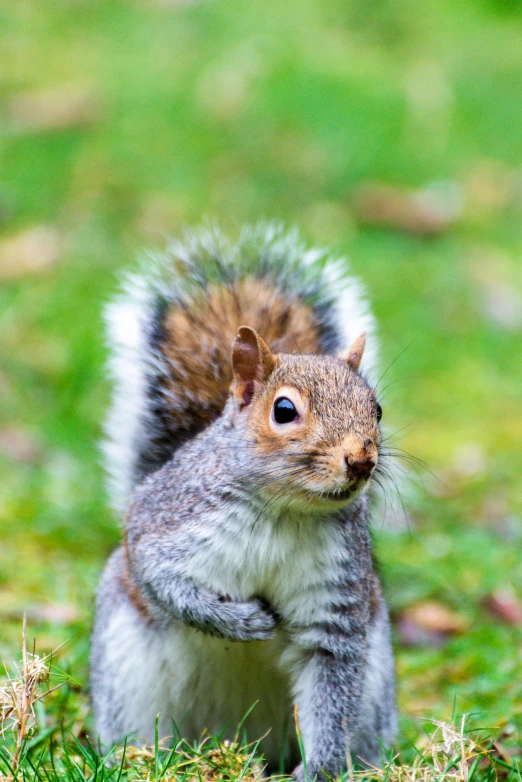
x=29 y=252
x=411 y=634
x=437 y=617
x=19 y=445
x=427 y=211
x=429 y=624
x=58 y=108
x=505 y=605
x=62 y=614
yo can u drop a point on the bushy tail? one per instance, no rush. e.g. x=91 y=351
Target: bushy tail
x=172 y=327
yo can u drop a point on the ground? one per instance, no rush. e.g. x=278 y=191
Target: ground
x=388 y=130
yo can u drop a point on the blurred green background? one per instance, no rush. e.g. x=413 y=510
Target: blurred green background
x=388 y=129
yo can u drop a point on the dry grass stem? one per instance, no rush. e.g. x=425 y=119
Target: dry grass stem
x=449 y=755
x=223 y=761
x=19 y=693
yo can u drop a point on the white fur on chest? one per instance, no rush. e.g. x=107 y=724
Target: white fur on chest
x=283 y=561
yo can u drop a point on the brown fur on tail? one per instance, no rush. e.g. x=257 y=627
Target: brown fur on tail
x=198 y=337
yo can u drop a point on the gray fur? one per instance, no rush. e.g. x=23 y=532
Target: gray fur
x=231 y=588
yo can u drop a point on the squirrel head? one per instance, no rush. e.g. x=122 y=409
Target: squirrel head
x=311 y=422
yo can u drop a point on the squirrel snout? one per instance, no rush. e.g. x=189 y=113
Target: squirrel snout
x=359 y=466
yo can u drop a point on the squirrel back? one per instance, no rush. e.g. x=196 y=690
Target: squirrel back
x=171 y=332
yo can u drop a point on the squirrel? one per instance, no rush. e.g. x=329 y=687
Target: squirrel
x=241 y=444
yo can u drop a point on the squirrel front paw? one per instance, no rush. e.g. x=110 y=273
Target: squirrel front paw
x=250 y=620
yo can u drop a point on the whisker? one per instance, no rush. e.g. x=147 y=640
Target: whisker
x=400 y=453
x=388 y=437
x=385 y=495
x=382 y=397
x=398 y=380
x=296 y=344
x=393 y=362
x=392 y=482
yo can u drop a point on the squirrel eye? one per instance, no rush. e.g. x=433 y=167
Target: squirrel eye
x=378 y=411
x=284 y=411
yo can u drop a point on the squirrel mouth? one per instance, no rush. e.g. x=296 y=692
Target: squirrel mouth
x=340 y=496
x=343 y=495
x=336 y=497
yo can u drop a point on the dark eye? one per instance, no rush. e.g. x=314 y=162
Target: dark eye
x=378 y=411
x=284 y=411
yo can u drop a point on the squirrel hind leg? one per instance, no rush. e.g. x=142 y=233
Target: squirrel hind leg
x=128 y=686
x=378 y=719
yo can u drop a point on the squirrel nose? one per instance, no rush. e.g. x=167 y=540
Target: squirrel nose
x=358 y=467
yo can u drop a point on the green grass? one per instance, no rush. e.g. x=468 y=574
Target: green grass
x=240 y=111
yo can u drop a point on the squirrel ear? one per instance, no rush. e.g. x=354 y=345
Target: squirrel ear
x=252 y=360
x=354 y=355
